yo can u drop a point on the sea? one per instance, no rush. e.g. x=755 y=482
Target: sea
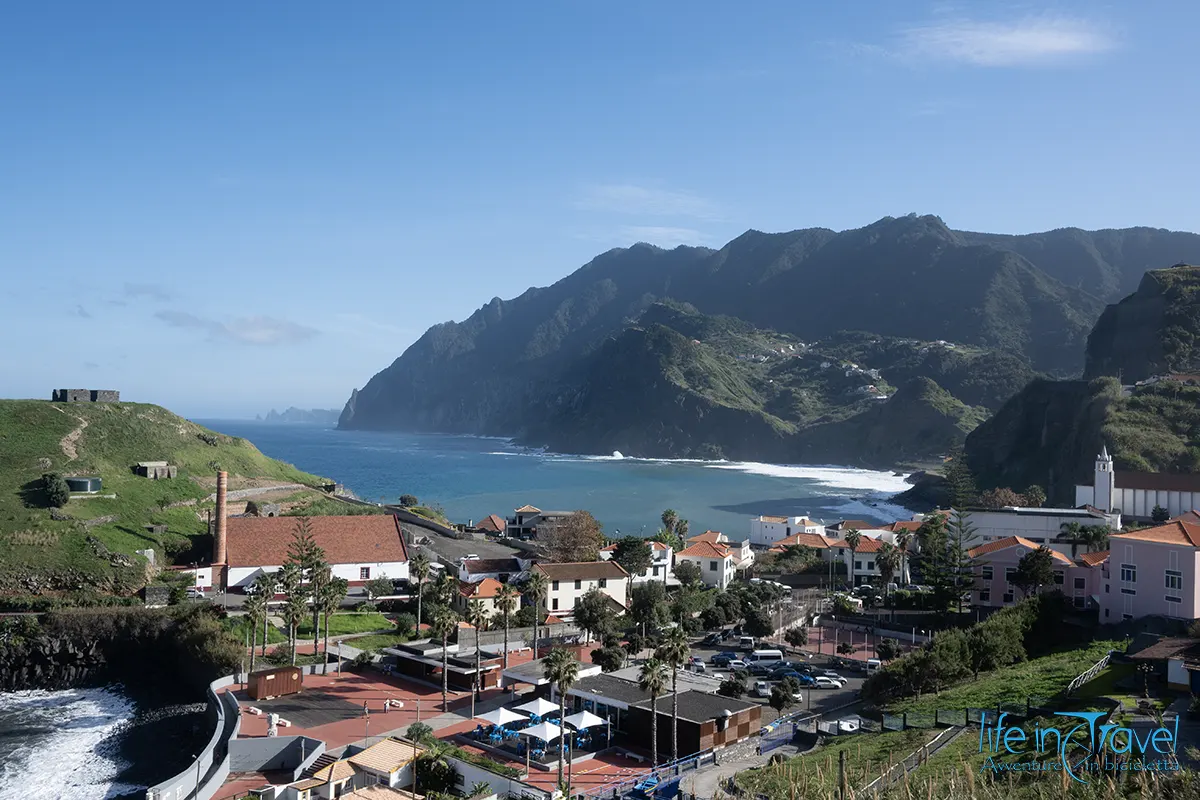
x=471 y=477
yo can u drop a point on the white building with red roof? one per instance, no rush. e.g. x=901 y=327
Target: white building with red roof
x=765 y=531
x=661 y=561
x=714 y=559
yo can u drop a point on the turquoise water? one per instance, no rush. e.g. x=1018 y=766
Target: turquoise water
x=472 y=477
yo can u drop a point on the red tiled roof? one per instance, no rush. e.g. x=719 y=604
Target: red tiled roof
x=363 y=539
x=868 y=545
x=1184 y=533
x=653 y=546
x=1192 y=516
x=1013 y=541
x=492 y=523
x=705 y=550
x=484 y=590
x=708 y=536
x=814 y=540
x=911 y=525
x=852 y=524
x=1092 y=559
x=527 y=509
x=582 y=570
x=553 y=620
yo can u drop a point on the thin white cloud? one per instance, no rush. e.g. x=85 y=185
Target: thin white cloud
x=255 y=330
x=1032 y=41
x=628 y=198
x=151 y=291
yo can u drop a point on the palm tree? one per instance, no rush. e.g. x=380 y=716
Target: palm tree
x=1074 y=533
x=445 y=588
x=256 y=609
x=1096 y=538
x=888 y=559
x=295 y=607
x=853 y=537
x=681 y=530
x=669 y=520
x=433 y=759
x=445 y=622
x=903 y=538
x=265 y=586
x=333 y=592
x=506 y=604
x=562 y=669
x=674 y=652
x=319 y=576
x=536 y=588
x=419 y=571
x=476 y=615
x=653 y=681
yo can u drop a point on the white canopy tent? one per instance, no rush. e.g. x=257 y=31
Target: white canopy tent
x=501 y=716
x=544 y=730
x=540 y=706
x=584 y=720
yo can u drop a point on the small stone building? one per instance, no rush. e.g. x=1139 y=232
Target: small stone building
x=255 y=508
x=85 y=396
x=156 y=470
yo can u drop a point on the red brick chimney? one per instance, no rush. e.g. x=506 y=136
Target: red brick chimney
x=219 y=528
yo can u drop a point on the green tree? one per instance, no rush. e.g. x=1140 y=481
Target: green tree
x=418 y=732
x=653 y=681
x=903 y=539
x=432 y=768
x=535 y=589
x=887 y=649
x=256 y=612
x=594 y=613
x=330 y=597
x=610 y=659
x=781 y=698
x=379 y=586
x=445 y=623
x=674 y=652
x=479 y=789
x=303 y=550
x=845 y=648
x=888 y=561
x=506 y=603
x=319 y=574
x=664 y=536
x=54 y=485
x=561 y=668
x=1035 y=496
x=1034 y=570
x=265 y=586
x=648 y=605
x=853 y=539
x=796 y=637
x=406 y=624
x=994 y=643
x=1159 y=514
x=408 y=501
x=758 y=623
x=960 y=481
x=734 y=686
x=296 y=605
x=634 y=555
x=418 y=570
x=577 y=537
x=687 y=572
x=1001 y=497
x=477 y=616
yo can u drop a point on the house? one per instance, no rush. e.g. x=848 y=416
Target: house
x=485 y=592
x=571 y=581
x=1152 y=572
x=743 y=555
x=358 y=548
x=661 y=561
x=996 y=563
x=1039 y=525
x=527 y=520
x=386 y=765
x=505 y=570
x=766 y=531
x=388 y=762
x=491 y=524
x=334 y=779
x=1135 y=494
x=1179 y=658
x=155 y=470
x=715 y=562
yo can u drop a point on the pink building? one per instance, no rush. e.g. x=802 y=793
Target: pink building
x=996 y=562
x=1152 y=572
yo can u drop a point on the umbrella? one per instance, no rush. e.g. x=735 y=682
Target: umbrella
x=584 y=720
x=545 y=730
x=501 y=716
x=541 y=706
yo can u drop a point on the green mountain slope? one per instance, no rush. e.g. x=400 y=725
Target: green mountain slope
x=94 y=547
x=1050 y=432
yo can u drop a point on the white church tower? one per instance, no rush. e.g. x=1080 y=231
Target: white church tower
x=1105 y=481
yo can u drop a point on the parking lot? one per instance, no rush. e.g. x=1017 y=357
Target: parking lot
x=812 y=699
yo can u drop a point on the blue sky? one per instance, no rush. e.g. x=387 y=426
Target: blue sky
x=226 y=207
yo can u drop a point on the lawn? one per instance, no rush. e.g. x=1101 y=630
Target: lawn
x=375 y=641
x=237 y=626
x=1040 y=678
x=815 y=774
x=319 y=504
x=345 y=622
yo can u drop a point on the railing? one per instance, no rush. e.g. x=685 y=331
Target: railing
x=1092 y=672
x=204 y=776
x=912 y=761
x=668 y=773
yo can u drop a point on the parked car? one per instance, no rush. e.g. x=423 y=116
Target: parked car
x=761 y=689
x=695 y=660
x=863 y=590
x=723 y=658
x=712 y=639
x=825 y=682
x=471 y=557
x=828 y=673
x=761 y=668
x=804 y=680
x=697 y=667
x=737 y=663
x=195 y=593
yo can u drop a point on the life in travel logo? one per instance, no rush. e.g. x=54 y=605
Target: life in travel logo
x=1073 y=748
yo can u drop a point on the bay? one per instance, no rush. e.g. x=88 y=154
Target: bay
x=471 y=477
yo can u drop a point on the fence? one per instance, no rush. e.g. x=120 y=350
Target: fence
x=204 y=776
x=912 y=761
x=675 y=770
x=523 y=637
x=1092 y=672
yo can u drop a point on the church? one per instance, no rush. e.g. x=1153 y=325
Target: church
x=1135 y=494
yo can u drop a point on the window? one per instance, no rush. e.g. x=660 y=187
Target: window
x=985 y=596
x=1171 y=599
x=1129 y=573
x=578 y=583
x=1174 y=579
x=1080 y=583
x=858 y=565
x=1058 y=578
x=554 y=586
x=1079 y=601
x=656 y=572
x=986 y=572
x=1008 y=574
x=870 y=566
x=1129 y=591
x=364 y=573
x=1106 y=588
x=603 y=583
x=1123 y=616
x=1008 y=597
x=712 y=566
x=554 y=604
x=1106 y=613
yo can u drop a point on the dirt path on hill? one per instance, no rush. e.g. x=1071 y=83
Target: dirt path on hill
x=71 y=439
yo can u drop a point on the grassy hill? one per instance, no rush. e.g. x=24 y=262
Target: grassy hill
x=93 y=549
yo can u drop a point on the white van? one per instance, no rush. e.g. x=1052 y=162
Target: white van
x=874 y=665
x=746 y=643
x=765 y=655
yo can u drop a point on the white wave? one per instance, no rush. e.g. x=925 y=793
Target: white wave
x=512 y=453
x=833 y=477
x=65 y=753
x=857 y=509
